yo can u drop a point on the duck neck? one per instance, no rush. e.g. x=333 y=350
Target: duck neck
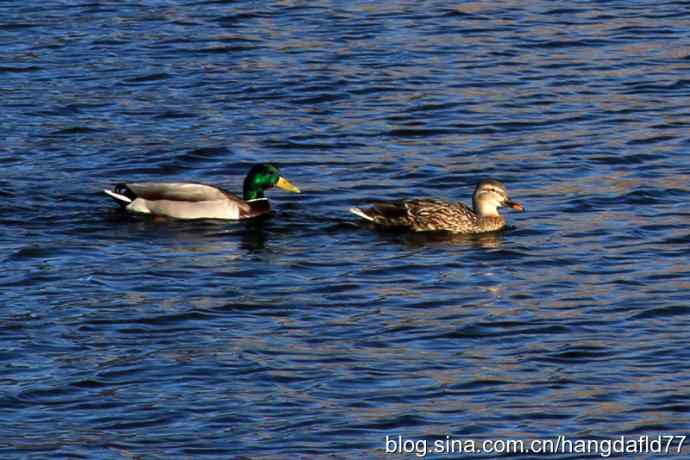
x=484 y=209
x=251 y=190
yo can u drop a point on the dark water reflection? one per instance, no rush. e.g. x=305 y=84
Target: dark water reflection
x=306 y=334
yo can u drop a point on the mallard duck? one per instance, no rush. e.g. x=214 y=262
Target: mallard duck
x=183 y=200
x=424 y=215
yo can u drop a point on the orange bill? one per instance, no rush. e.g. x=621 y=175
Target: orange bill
x=514 y=205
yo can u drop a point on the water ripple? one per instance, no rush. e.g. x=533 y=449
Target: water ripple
x=307 y=334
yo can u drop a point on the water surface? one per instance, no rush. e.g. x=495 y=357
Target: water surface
x=307 y=335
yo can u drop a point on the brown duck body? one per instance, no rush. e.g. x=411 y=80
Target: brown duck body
x=428 y=214
x=183 y=200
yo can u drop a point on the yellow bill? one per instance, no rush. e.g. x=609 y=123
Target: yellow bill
x=286 y=185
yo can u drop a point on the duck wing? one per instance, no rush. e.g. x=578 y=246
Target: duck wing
x=175 y=191
x=425 y=214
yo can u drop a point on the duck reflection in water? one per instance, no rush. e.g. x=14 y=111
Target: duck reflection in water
x=253 y=236
x=490 y=240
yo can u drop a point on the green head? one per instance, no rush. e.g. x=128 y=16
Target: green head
x=262 y=177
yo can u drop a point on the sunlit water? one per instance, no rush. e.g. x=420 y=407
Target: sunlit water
x=307 y=335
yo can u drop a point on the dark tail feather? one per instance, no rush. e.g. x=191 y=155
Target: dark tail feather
x=388 y=210
x=387 y=214
x=121 y=194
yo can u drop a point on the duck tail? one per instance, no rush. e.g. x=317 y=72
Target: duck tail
x=361 y=214
x=118 y=195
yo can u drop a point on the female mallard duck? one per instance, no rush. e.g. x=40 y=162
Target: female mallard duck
x=424 y=215
x=199 y=201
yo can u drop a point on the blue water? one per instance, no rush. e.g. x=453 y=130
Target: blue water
x=308 y=335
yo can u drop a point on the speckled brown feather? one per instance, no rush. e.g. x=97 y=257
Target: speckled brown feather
x=423 y=215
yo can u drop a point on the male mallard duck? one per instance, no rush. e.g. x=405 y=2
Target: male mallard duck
x=424 y=215
x=199 y=201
